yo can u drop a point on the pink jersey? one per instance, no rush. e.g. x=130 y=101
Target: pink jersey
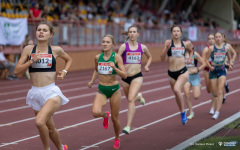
x=132 y=56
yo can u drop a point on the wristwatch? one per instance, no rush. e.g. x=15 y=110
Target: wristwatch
x=65 y=71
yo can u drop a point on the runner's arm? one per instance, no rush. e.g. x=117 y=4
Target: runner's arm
x=149 y=56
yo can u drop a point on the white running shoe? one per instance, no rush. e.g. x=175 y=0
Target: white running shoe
x=211 y=111
x=216 y=115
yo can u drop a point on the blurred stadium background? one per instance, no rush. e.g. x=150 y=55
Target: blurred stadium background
x=79 y=25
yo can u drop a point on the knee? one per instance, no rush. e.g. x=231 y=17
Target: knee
x=114 y=118
x=95 y=114
x=220 y=92
x=196 y=96
x=130 y=100
x=215 y=95
x=187 y=94
x=176 y=91
x=39 y=123
x=51 y=130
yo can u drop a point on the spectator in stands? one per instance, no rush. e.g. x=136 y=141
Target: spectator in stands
x=35 y=12
x=129 y=22
x=4 y=63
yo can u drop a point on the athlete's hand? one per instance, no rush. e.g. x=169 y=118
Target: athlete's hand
x=37 y=56
x=146 y=68
x=90 y=84
x=227 y=64
x=112 y=64
x=230 y=67
x=211 y=68
x=188 y=61
x=61 y=75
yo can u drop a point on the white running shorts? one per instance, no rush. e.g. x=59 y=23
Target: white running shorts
x=38 y=96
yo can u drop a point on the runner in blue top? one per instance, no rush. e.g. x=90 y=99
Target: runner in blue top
x=177 y=71
x=217 y=74
x=108 y=65
x=193 y=80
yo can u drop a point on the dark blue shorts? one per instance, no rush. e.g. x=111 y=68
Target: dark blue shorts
x=217 y=72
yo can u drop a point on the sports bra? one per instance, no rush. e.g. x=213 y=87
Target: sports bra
x=193 y=63
x=47 y=63
x=176 y=51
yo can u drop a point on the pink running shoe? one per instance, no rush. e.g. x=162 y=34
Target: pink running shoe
x=105 y=121
x=116 y=144
x=65 y=147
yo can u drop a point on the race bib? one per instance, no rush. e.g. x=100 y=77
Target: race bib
x=133 y=57
x=178 y=51
x=44 y=62
x=104 y=68
x=191 y=64
x=218 y=57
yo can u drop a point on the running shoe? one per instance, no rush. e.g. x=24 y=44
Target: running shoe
x=184 y=118
x=142 y=100
x=226 y=88
x=65 y=147
x=105 y=121
x=224 y=99
x=126 y=130
x=211 y=111
x=216 y=115
x=116 y=144
x=190 y=116
x=11 y=77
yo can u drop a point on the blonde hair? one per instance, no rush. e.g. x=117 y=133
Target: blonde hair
x=111 y=37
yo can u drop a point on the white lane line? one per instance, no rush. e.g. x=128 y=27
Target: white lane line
x=80 y=107
x=88 y=105
x=152 y=123
x=152 y=102
x=75 y=89
x=90 y=94
x=85 y=81
x=12 y=109
x=85 y=87
x=23 y=98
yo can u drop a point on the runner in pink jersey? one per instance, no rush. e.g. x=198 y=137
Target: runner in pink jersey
x=132 y=53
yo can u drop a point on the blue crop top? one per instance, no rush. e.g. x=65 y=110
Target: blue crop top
x=218 y=55
x=47 y=63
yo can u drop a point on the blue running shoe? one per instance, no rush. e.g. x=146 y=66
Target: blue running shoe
x=184 y=118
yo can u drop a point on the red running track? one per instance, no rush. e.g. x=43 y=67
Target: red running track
x=157 y=125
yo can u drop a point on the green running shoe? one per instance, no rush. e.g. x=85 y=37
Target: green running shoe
x=190 y=116
x=142 y=100
x=126 y=130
